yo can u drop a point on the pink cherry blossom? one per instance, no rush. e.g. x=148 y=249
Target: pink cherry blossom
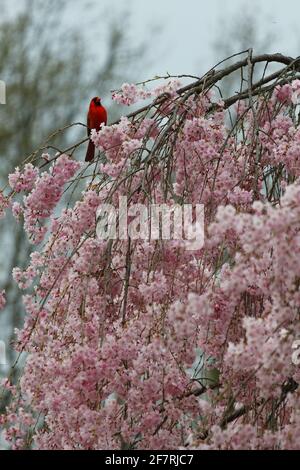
x=145 y=344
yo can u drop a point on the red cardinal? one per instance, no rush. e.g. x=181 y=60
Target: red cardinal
x=97 y=115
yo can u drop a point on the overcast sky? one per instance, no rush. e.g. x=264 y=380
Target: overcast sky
x=188 y=28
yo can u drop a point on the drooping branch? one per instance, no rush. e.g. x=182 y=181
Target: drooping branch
x=125 y=319
x=202 y=85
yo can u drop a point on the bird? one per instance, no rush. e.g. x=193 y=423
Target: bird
x=97 y=115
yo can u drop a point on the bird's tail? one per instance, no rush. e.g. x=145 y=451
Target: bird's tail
x=90 y=153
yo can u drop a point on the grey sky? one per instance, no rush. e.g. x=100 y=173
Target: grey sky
x=188 y=28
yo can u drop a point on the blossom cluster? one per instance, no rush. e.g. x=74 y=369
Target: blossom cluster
x=44 y=191
x=130 y=94
x=140 y=344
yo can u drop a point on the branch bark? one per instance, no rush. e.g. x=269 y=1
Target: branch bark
x=208 y=81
